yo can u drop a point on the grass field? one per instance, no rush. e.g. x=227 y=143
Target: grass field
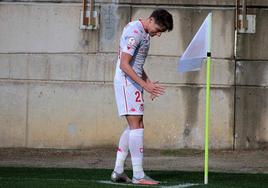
x=85 y=178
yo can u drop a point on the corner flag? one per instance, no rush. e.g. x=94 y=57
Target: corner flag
x=191 y=60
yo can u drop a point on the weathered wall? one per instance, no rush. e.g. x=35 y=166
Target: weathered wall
x=56 y=86
x=251 y=122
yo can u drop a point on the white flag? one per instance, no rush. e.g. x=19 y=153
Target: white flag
x=192 y=58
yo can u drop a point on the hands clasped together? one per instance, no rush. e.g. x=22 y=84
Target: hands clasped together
x=155 y=89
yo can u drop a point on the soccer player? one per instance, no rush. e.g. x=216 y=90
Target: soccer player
x=129 y=83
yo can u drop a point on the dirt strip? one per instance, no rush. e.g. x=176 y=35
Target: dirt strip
x=246 y=161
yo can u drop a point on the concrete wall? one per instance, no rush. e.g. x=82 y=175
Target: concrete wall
x=56 y=86
x=251 y=122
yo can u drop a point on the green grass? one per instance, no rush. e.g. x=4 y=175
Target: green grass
x=86 y=178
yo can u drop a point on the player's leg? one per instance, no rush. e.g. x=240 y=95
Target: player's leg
x=129 y=99
x=122 y=151
x=136 y=135
x=118 y=174
x=136 y=144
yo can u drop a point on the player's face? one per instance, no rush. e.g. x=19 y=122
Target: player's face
x=154 y=29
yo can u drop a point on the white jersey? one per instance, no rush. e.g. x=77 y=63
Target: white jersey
x=134 y=41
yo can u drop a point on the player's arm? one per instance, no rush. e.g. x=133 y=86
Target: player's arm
x=145 y=77
x=125 y=66
x=153 y=88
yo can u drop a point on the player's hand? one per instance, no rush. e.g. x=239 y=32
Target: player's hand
x=154 y=88
x=152 y=97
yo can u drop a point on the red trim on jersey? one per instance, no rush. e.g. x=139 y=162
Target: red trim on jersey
x=119 y=149
x=125 y=93
x=125 y=98
x=136 y=31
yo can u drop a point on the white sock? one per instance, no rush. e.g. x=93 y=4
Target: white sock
x=122 y=151
x=136 y=151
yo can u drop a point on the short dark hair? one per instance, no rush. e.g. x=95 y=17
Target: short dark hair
x=163 y=18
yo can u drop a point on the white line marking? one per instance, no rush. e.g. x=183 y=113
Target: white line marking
x=180 y=185
x=122 y=184
x=167 y=186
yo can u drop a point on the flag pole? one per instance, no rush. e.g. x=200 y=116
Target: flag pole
x=207 y=100
x=207 y=119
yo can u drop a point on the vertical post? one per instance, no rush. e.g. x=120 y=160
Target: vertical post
x=85 y=19
x=244 y=15
x=207 y=97
x=237 y=25
x=207 y=119
x=237 y=12
x=91 y=19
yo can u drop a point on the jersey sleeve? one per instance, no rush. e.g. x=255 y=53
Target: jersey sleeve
x=130 y=41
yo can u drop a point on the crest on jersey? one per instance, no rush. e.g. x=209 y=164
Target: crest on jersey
x=141 y=107
x=131 y=41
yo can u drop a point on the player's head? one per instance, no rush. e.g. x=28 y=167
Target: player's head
x=160 y=21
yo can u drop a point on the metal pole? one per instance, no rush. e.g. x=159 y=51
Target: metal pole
x=85 y=19
x=92 y=20
x=237 y=12
x=244 y=14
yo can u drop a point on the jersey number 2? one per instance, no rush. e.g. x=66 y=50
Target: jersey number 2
x=138 y=96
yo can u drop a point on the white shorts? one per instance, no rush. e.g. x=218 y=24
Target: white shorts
x=129 y=98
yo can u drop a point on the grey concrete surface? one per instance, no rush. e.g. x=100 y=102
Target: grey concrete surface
x=13 y=114
x=251 y=122
x=112 y=21
x=252 y=73
x=254 y=46
x=44 y=28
